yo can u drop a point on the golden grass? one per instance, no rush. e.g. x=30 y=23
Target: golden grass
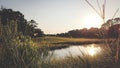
x=53 y=39
x=56 y=42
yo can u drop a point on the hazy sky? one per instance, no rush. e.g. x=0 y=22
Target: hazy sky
x=56 y=16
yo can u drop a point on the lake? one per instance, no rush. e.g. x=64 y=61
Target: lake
x=79 y=50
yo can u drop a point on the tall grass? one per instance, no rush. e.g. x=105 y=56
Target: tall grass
x=19 y=51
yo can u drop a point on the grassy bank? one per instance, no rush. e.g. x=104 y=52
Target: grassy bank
x=62 y=42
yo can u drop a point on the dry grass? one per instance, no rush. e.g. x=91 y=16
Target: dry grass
x=59 y=42
x=51 y=39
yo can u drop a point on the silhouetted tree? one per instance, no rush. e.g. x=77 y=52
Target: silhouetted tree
x=114 y=31
x=23 y=26
x=8 y=14
x=111 y=28
x=82 y=33
x=93 y=33
x=38 y=33
x=74 y=33
x=31 y=27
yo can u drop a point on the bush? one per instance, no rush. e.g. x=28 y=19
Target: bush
x=17 y=50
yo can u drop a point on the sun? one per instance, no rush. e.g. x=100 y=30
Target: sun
x=92 y=20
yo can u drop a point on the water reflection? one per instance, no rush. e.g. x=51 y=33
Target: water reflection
x=91 y=49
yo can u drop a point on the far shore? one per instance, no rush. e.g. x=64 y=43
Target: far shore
x=61 y=42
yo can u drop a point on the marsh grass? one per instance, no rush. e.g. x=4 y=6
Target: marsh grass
x=22 y=53
x=68 y=62
x=53 y=39
x=61 y=42
x=85 y=61
x=19 y=51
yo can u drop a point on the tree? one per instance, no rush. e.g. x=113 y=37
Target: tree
x=8 y=14
x=31 y=27
x=74 y=33
x=114 y=31
x=23 y=26
x=93 y=33
x=81 y=33
x=38 y=33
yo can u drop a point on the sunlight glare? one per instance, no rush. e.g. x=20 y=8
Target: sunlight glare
x=92 y=20
x=93 y=50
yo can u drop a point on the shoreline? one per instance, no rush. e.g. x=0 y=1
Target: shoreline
x=61 y=42
x=61 y=45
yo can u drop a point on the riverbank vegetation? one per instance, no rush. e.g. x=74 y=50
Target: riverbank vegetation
x=60 y=40
x=23 y=45
x=17 y=50
x=54 y=42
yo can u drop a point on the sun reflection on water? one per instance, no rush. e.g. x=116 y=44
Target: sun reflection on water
x=92 y=50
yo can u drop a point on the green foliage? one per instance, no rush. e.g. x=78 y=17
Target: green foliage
x=28 y=52
x=21 y=52
x=23 y=26
x=17 y=50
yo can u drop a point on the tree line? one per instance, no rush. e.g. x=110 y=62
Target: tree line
x=109 y=29
x=23 y=26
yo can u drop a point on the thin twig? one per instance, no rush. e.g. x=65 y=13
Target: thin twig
x=93 y=8
x=115 y=13
x=99 y=7
x=104 y=11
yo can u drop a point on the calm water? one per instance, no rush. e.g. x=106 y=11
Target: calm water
x=78 y=50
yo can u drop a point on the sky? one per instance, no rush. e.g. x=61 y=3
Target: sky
x=57 y=16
